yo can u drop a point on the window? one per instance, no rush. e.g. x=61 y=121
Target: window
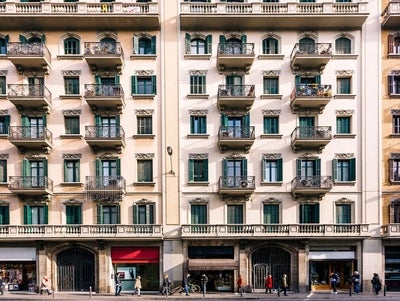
x=198 y=168
x=344 y=170
x=343 y=46
x=198 y=124
x=143 y=45
x=4 y=124
x=271 y=213
x=2 y=85
x=145 y=125
x=343 y=213
x=343 y=125
x=71 y=85
x=309 y=213
x=35 y=215
x=394 y=44
x=108 y=214
x=272 y=170
x=394 y=84
x=3 y=45
x=395 y=209
x=71 y=124
x=270 y=45
x=198 y=213
x=394 y=170
x=271 y=125
x=198 y=45
x=144 y=85
x=343 y=85
x=73 y=214
x=4 y=215
x=145 y=171
x=3 y=171
x=197 y=84
x=271 y=85
x=235 y=214
x=143 y=214
x=71 y=171
x=396 y=124
x=72 y=46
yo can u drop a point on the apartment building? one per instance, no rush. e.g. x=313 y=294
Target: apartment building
x=216 y=137
x=390 y=180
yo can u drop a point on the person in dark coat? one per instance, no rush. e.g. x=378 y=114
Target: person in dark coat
x=376 y=283
x=356 y=279
x=284 y=286
x=334 y=280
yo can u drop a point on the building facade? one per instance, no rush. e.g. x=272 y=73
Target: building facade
x=216 y=137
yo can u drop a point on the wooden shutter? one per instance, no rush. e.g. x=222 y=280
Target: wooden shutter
x=191 y=170
x=135 y=44
x=153 y=45
x=390 y=43
x=352 y=166
x=209 y=44
x=154 y=84
x=27 y=215
x=279 y=163
x=335 y=169
x=99 y=214
x=188 y=43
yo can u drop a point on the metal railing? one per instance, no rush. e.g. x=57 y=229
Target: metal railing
x=103 y=48
x=311 y=90
x=105 y=132
x=27 y=90
x=28 y=49
x=236 y=91
x=93 y=90
x=230 y=48
x=105 y=183
x=30 y=182
x=315 y=49
x=237 y=182
x=324 y=182
x=236 y=132
x=312 y=133
x=33 y=133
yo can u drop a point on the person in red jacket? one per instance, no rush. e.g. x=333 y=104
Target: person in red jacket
x=239 y=283
x=268 y=284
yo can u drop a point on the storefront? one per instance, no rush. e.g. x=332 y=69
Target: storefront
x=18 y=268
x=131 y=262
x=323 y=263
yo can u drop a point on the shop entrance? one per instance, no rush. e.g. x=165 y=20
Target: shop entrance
x=75 y=270
x=320 y=272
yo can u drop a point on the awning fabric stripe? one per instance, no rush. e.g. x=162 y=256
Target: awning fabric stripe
x=135 y=255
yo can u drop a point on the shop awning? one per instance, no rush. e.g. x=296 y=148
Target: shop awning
x=135 y=255
x=213 y=264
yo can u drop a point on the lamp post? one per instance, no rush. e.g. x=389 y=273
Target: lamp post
x=170 y=152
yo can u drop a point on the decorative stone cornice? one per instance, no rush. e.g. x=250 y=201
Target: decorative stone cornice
x=198 y=72
x=344 y=201
x=271 y=112
x=4 y=112
x=272 y=156
x=344 y=112
x=71 y=112
x=199 y=112
x=198 y=156
x=272 y=200
x=3 y=72
x=107 y=34
x=344 y=72
x=394 y=155
x=144 y=72
x=144 y=155
x=344 y=155
x=72 y=156
x=394 y=72
x=144 y=112
x=199 y=200
x=71 y=72
x=271 y=72
x=395 y=111
x=4 y=156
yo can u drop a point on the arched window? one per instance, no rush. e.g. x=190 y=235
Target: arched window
x=37 y=40
x=71 y=46
x=343 y=46
x=307 y=45
x=145 y=46
x=270 y=46
x=197 y=46
x=3 y=46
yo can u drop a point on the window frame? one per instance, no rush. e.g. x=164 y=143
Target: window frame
x=73 y=171
x=144 y=85
x=72 y=125
x=338 y=170
x=343 y=125
x=198 y=170
x=71 y=85
x=198 y=84
x=275 y=173
x=341 y=88
x=144 y=124
x=198 y=124
x=72 y=49
x=149 y=214
x=145 y=171
x=271 y=217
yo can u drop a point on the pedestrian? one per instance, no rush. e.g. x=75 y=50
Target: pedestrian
x=376 y=283
x=186 y=284
x=334 y=280
x=138 y=285
x=284 y=285
x=204 y=280
x=165 y=285
x=118 y=284
x=2 y=286
x=45 y=285
x=239 y=284
x=268 y=284
x=356 y=279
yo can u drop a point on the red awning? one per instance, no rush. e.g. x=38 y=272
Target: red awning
x=135 y=255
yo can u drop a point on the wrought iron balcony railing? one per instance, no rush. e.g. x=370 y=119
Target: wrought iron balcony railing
x=111 y=132
x=311 y=90
x=230 y=48
x=324 y=182
x=233 y=91
x=27 y=90
x=103 y=48
x=30 y=183
x=236 y=132
x=33 y=133
x=313 y=49
x=105 y=183
x=27 y=49
x=237 y=182
x=312 y=133
x=93 y=90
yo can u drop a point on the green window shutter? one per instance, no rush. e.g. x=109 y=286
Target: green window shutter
x=317 y=167
x=26 y=168
x=297 y=80
x=246 y=120
x=151 y=214
x=225 y=167
x=244 y=38
x=118 y=210
x=99 y=214
x=244 y=167
x=335 y=169
x=135 y=214
x=390 y=43
x=209 y=44
x=154 y=84
x=69 y=212
x=153 y=45
x=22 y=39
x=45 y=168
x=6 y=123
x=25 y=120
x=97 y=120
x=316 y=213
x=99 y=169
x=45 y=214
x=4 y=215
x=298 y=168
x=263 y=161
x=205 y=169
x=27 y=215
x=222 y=39
x=97 y=79
x=78 y=212
x=352 y=169
x=318 y=79
x=390 y=84
x=78 y=176
x=65 y=171
x=279 y=163
x=116 y=80
x=187 y=43
x=117 y=120
x=44 y=119
x=134 y=84
x=224 y=120
x=118 y=163
x=135 y=44
x=191 y=170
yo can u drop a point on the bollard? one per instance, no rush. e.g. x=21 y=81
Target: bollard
x=384 y=290
x=350 y=291
x=90 y=292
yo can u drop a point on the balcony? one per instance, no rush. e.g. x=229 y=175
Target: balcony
x=252 y=16
x=310 y=138
x=310 y=97
x=391 y=15
x=316 y=186
x=102 y=188
x=310 y=56
x=239 y=138
x=28 y=97
x=29 y=186
x=235 y=56
x=89 y=15
x=104 y=96
x=26 y=56
x=104 y=55
x=105 y=137
x=31 y=138
x=342 y=231
x=78 y=232
x=234 y=187
x=235 y=98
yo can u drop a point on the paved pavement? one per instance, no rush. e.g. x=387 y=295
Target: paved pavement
x=315 y=296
